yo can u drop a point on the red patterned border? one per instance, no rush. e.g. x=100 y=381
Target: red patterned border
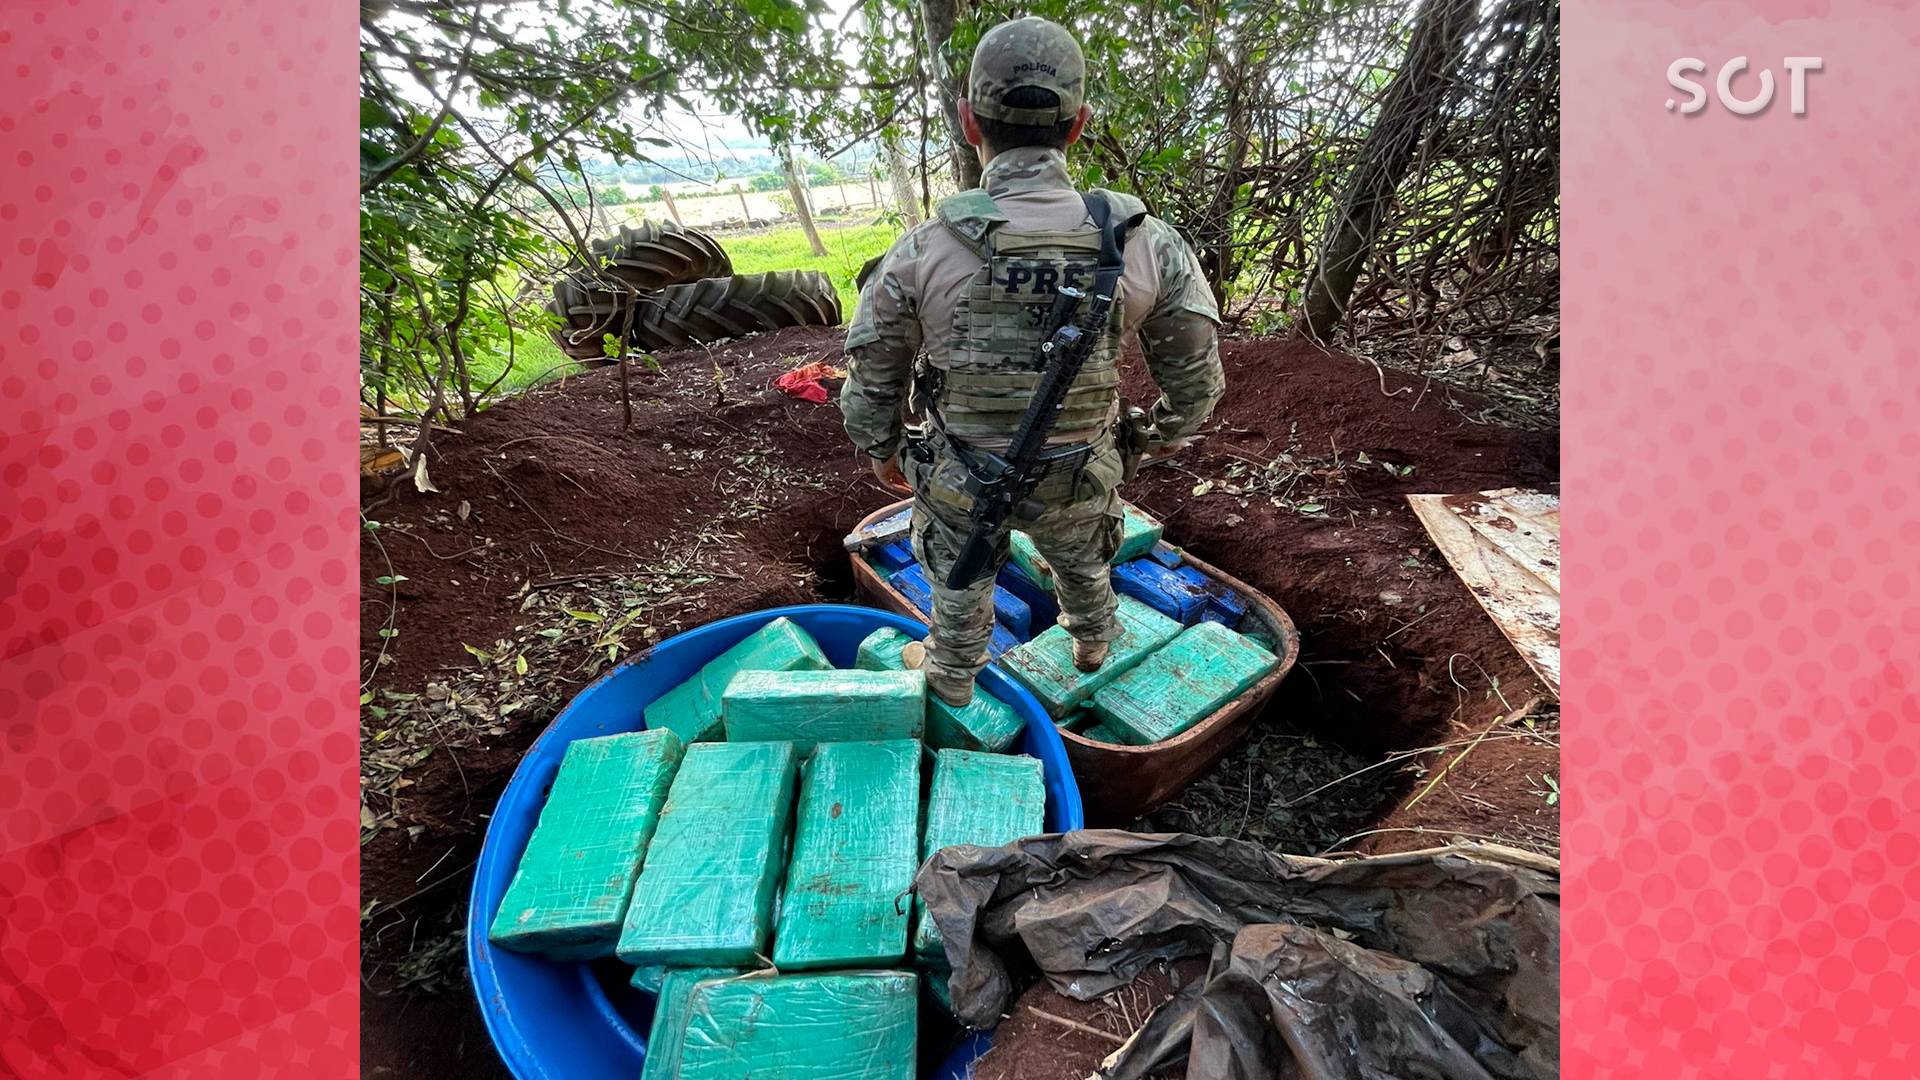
x=1742 y=386
x=178 y=860
x=177 y=829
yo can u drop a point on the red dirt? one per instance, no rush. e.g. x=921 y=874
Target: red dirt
x=554 y=487
x=1330 y=570
x=1031 y=1044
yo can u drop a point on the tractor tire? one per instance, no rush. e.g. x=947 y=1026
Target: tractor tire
x=587 y=316
x=729 y=307
x=655 y=254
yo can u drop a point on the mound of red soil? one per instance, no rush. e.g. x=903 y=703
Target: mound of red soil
x=551 y=486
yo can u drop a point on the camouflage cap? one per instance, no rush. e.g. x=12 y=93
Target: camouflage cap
x=1027 y=52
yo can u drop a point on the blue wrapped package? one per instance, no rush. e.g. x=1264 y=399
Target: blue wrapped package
x=1165 y=591
x=893 y=557
x=1002 y=641
x=1043 y=610
x=1225 y=605
x=1012 y=612
x=912 y=583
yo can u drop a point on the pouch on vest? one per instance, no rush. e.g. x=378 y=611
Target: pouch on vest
x=1000 y=317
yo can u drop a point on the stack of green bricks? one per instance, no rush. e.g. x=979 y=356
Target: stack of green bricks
x=1158 y=679
x=750 y=851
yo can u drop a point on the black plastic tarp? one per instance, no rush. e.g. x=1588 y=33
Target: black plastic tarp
x=1436 y=964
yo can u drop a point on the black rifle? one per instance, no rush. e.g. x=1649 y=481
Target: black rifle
x=1003 y=483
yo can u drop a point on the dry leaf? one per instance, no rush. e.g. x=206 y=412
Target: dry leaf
x=420 y=475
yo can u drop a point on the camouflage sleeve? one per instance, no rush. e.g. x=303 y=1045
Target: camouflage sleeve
x=882 y=341
x=1181 y=340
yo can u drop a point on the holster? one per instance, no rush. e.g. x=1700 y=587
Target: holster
x=914 y=439
x=1131 y=436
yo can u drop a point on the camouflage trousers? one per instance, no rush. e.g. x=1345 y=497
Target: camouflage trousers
x=1077 y=532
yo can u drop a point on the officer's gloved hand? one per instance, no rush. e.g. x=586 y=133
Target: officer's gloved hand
x=887 y=471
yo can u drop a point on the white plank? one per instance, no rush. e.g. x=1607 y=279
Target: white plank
x=1519 y=601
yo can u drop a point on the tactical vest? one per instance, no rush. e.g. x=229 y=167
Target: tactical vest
x=988 y=375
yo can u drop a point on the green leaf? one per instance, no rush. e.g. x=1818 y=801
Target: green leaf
x=520 y=664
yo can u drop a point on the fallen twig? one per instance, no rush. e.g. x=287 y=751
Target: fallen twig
x=443 y=558
x=1503 y=718
x=1502 y=840
x=1089 y=1029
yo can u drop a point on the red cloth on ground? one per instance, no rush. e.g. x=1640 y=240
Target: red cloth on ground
x=804 y=382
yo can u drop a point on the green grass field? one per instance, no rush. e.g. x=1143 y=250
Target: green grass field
x=848 y=249
x=536 y=358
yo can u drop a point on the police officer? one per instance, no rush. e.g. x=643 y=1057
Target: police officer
x=972 y=288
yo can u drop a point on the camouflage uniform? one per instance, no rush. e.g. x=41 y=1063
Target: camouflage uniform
x=935 y=291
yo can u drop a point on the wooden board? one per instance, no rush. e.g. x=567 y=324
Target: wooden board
x=1512 y=569
x=1524 y=524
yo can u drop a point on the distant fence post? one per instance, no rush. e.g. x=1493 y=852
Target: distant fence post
x=798 y=189
x=746 y=212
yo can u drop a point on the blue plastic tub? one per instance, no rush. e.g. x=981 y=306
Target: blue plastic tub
x=555 y=1021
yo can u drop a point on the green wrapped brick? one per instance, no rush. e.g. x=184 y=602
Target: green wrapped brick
x=1022 y=553
x=856 y=841
x=855 y=1025
x=985 y=723
x=652 y=978
x=880 y=650
x=670 y=1016
x=570 y=892
x=983 y=799
x=807 y=708
x=692 y=709
x=1045 y=664
x=1104 y=733
x=705 y=896
x=1138 y=533
x=1181 y=684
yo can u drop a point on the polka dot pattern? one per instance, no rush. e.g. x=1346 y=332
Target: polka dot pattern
x=1743 y=633
x=178 y=852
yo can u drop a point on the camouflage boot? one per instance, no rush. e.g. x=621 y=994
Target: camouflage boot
x=1089 y=655
x=952 y=691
